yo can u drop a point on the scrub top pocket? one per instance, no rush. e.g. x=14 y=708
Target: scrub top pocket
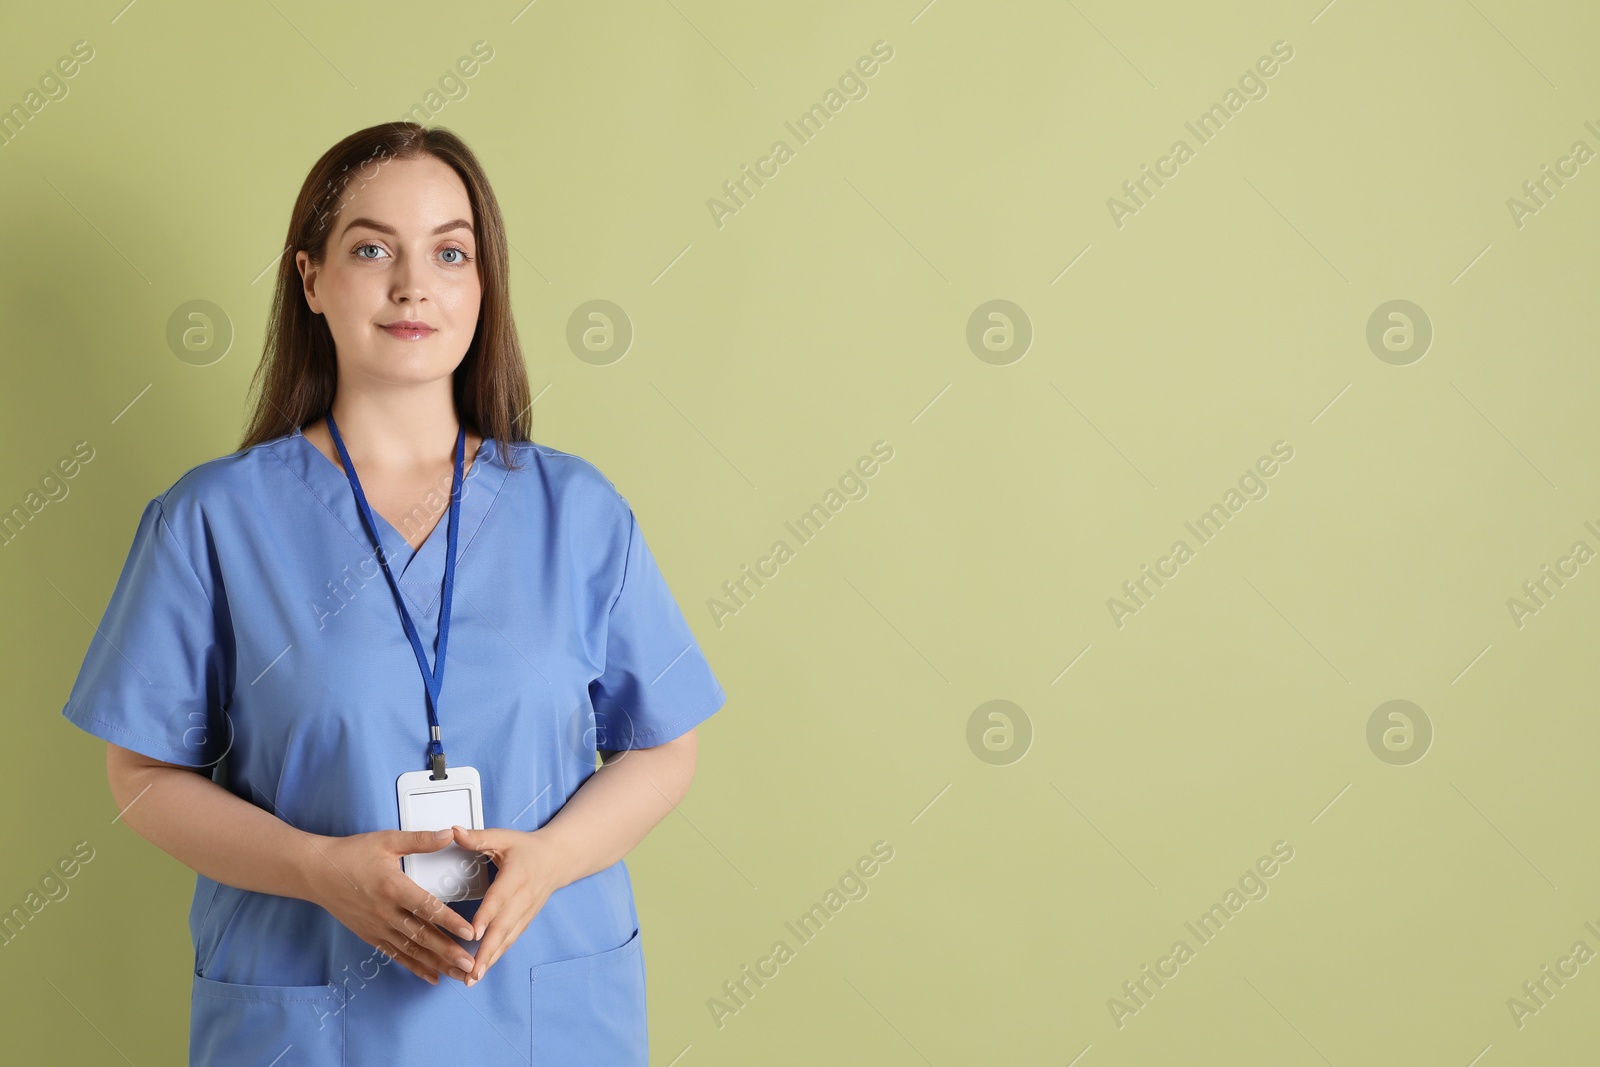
x=591 y=1010
x=234 y=1024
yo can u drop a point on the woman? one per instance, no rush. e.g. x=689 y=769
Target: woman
x=257 y=628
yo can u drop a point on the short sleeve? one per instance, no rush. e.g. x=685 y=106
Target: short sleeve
x=656 y=684
x=158 y=670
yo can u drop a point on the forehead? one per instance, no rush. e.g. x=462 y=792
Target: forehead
x=412 y=195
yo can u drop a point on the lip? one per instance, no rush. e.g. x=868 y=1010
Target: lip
x=407 y=328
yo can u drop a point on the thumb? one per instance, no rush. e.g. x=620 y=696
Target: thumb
x=409 y=841
x=492 y=840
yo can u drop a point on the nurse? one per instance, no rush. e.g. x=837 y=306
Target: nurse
x=390 y=577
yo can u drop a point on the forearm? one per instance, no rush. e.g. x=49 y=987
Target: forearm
x=211 y=831
x=618 y=805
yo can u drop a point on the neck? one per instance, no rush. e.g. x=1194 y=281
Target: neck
x=398 y=428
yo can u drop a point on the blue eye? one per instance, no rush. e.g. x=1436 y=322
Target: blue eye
x=453 y=263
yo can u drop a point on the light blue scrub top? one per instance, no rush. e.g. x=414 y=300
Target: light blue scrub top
x=252 y=619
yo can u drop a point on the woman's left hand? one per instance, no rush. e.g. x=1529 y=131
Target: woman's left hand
x=529 y=871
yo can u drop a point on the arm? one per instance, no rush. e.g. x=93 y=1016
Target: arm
x=184 y=813
x=357 y=879
x=600 y=823
x=619 y=804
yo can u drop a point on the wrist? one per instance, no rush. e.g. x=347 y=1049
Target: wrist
x=558 y=856
x=309 y=866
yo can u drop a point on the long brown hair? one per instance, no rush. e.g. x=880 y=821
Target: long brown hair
x=298 y=372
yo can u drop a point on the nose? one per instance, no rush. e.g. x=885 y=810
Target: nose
x=410 y=281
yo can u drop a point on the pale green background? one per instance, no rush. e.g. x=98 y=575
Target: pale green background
x=830 y=313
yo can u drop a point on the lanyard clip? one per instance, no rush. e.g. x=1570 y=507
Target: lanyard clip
x=436 y=756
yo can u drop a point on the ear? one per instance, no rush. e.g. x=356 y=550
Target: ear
x=308 y=280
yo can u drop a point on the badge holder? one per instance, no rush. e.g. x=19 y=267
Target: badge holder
x=452 y=873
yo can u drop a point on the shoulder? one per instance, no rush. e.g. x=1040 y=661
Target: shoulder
x=579 y=487
x=237 y=480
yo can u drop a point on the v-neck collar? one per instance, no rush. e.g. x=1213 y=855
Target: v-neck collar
x=418 y=571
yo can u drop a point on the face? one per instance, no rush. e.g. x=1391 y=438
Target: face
x=401 y=251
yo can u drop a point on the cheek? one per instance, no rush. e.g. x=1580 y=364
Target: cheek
x=464 y=301
x=347 y=295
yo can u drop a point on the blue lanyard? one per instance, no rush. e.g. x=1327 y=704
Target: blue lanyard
x=433 y=679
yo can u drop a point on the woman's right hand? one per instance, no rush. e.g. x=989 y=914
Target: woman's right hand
x=360 y=882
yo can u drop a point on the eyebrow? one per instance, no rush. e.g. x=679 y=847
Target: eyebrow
x=374 y=224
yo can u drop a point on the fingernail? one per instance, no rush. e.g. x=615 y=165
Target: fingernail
x=442 y=833
x=466 y=964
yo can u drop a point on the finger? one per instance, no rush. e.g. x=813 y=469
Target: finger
x=500 y=932
x=409 y=841
x=505 y=943
x=408 y=962
x=493 y=899
x=435 y=962
x=430 y=908
x=418 y=968
x=422 y=930
x=492 y=840
x=432 y=946
x=488 y=950
x=493 y=933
